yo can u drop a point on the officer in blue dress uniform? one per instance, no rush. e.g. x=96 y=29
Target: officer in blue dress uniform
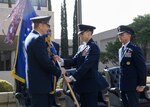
x=40 y=66
x=86 y=62
x=132 y=66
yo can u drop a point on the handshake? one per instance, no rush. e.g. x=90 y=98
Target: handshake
x=60 y=61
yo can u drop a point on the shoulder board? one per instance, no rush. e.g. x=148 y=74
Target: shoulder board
x=133 y=44
x=93 y=42
x=35 y=32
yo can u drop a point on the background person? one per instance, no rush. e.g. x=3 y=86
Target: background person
x=53 y=49
x=132 y=66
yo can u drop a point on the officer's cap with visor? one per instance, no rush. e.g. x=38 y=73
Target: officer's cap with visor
x=83 y=28
x=122 y=29
x=41 y=19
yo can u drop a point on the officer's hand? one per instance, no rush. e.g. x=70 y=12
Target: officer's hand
x=68 y=79
x=63 y=71
x=140 y=88
x=56 y=57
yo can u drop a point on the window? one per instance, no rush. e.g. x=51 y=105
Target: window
x=6 y=1
x=5 y=60
x=43 y=3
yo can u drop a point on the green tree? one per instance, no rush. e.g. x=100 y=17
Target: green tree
x=111 y=53
x=141 y=26
x=75 y=30
x=64 y=31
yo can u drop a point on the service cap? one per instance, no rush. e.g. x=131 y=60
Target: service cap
x=41 y=19
x=83 y=28
x=122 y=29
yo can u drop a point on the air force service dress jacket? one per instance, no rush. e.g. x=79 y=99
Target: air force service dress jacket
x=40 y=66
x=86 y=63
x=133 y=68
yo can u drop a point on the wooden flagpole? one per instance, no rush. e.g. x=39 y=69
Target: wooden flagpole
x=71 y=91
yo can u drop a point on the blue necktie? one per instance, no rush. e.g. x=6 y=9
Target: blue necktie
x=122 y=51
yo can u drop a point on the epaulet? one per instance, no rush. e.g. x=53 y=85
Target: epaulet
x=93 y=42
x=35 y=32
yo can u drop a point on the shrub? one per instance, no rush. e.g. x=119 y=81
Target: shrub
x=60 y=83
x=5 y=86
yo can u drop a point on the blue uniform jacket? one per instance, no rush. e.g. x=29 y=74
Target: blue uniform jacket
x=40 y=66
x=87 y=68
x=133 y=68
